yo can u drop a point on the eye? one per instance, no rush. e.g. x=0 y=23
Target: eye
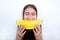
x=33 y=14
x=26 y=13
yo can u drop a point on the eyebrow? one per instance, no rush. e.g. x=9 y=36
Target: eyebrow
x=26 y=12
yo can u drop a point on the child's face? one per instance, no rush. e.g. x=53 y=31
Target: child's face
x=30 y=14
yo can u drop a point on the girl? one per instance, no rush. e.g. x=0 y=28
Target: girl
x=29 y=13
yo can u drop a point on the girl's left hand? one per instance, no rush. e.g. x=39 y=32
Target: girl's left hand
x=38 y=32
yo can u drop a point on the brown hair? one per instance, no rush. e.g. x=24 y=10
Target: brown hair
x=29 y=5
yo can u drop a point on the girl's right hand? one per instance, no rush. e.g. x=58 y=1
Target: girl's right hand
x=20 y=32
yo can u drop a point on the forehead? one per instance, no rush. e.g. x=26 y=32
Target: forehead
x=29 y=9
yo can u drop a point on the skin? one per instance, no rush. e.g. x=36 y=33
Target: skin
x=29 y=14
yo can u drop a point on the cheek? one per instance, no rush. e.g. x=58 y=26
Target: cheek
x=25 y=17
x=35 y=17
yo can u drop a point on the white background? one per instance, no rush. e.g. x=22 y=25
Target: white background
x=48 y=11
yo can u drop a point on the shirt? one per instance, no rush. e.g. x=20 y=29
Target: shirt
x=29 y=35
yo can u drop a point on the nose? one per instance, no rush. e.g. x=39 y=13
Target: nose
x=30 y=17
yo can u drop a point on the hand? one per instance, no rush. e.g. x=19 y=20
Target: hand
x=20 y=32
x=38 y=32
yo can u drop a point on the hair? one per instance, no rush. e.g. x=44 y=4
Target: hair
x=29 y=5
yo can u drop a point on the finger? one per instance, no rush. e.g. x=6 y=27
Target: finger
x=24 y=32
x=34 y=31
x=19 y=34
x=38 y=27
x=21 y=27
